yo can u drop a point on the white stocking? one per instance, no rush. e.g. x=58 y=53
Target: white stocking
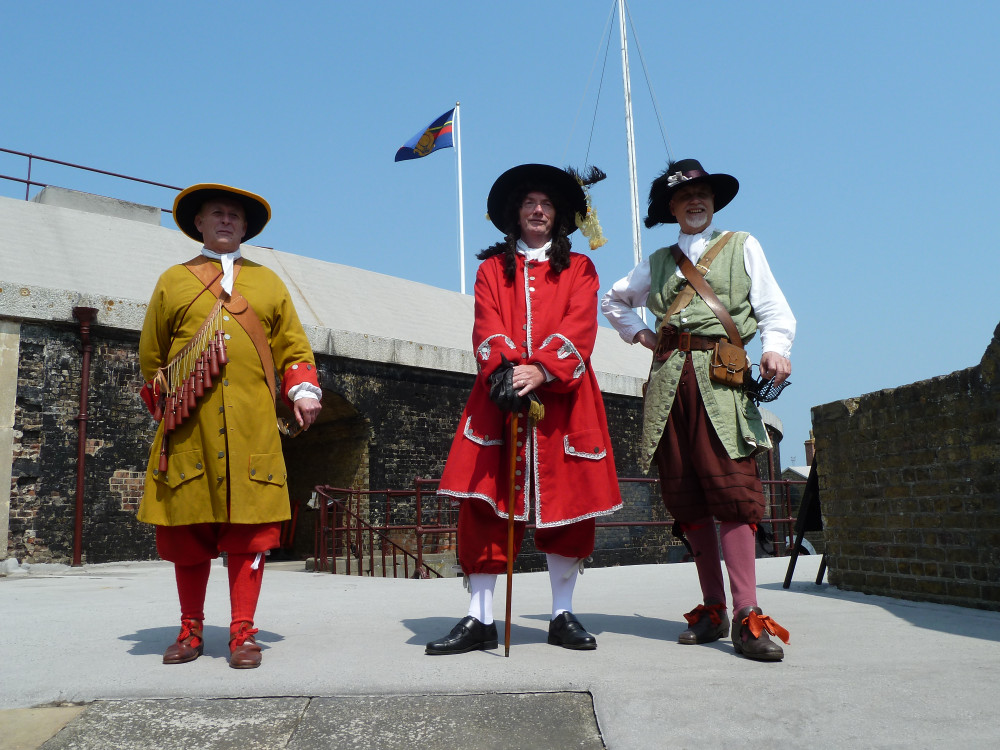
x=481 y=607
x=563 y=572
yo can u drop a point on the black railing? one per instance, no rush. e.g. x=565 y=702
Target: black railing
x=414 y=533
x=29 y=183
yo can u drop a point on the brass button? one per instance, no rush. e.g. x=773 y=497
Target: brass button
x=253 y=472
x=197 y=466
x=270 y=477
x=182 y=475
x=222 y=454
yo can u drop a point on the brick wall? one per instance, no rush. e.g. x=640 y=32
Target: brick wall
x=382 y=426
x=43 y=472
x=910 y=488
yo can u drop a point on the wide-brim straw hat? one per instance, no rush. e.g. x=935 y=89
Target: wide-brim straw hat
x=681 y=174
x=189 y=201
x=543 y=176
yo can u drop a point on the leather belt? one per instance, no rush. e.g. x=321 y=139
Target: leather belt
x=674 y=340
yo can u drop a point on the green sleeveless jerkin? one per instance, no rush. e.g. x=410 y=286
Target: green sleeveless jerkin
x=736 y=419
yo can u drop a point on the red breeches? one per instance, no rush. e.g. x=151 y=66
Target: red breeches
x=482 y=539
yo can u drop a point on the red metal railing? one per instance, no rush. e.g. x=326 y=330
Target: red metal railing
x=29 y=183
x=348 y=540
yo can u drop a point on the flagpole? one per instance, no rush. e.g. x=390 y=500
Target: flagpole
x=630 y=144
x=461 y=213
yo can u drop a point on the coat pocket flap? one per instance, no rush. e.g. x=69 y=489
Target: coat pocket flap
x=183 y=467
x=268 y=468
x=585 y=444
x=480 y=437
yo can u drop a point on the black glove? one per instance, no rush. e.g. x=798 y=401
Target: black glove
x=502 y=390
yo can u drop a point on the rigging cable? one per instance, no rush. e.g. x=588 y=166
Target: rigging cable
x=587 y=88
x=649 y=86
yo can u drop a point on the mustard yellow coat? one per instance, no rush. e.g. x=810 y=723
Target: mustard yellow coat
x=229 y=448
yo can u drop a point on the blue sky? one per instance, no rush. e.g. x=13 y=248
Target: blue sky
x=863 y=135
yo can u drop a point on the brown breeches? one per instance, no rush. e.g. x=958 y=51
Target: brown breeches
x=697 y=476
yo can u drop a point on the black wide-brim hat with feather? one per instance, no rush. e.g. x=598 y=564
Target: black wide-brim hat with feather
x=681 y=174
x=543 y=176
x=189 y=201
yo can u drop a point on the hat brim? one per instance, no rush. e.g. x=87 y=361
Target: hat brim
x=724 y=186
x=551 y=177
x=189 y=201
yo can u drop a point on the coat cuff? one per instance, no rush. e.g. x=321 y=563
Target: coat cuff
x=297 y=374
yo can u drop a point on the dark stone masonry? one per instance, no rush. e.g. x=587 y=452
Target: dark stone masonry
x=382 y=426
x=910 y=488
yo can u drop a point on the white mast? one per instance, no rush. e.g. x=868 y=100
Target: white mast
x=461 y=217
x=630 y=139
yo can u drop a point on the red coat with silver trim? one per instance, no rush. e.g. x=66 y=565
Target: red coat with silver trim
x=565 y=460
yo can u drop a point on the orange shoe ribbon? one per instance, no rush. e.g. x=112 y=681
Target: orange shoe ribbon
x=701 y=610
x=758 y=624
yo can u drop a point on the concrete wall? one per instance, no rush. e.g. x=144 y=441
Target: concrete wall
x=9 y=353
x=910 y=488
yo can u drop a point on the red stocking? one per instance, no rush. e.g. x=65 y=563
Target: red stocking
x=192 y=582
x=244 y=585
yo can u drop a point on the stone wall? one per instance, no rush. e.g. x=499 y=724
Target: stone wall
x=910 y=488
x=382 y=426
x=43 y=471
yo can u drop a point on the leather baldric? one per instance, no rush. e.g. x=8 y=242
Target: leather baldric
x=239 y=308
x=699 y=285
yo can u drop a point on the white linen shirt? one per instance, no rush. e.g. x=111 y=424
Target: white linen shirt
x=774 y=317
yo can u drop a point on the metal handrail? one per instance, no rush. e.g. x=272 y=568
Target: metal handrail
x=778 y=513
x=28 y=183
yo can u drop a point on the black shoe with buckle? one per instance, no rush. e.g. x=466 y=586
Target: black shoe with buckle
x=566 y=631
x=469 y=635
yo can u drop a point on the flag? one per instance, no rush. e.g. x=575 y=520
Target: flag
x=436 y=135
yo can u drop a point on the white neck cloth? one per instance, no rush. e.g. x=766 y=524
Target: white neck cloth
x=227 y=260
x=534 y=253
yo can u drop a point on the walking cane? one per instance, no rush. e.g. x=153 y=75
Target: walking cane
x=511 y=510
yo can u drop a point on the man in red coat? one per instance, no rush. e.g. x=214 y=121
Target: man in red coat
x=534 y=331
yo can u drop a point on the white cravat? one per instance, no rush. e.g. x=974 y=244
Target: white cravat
x=227 y=260
x=534 y=253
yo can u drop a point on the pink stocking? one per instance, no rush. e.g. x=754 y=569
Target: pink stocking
x=739 y=548
x=705 y=547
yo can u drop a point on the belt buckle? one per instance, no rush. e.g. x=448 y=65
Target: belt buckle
x=684 y=341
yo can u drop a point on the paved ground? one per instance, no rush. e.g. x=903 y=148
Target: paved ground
x=344 y=667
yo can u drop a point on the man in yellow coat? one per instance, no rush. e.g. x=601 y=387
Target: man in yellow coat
x=216 y=329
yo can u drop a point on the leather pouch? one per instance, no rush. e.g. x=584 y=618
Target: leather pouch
x=728 y=364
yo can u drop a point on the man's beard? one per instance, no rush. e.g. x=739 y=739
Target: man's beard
x=697 y=221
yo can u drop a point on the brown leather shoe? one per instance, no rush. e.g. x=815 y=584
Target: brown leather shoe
x=188 y=646
x=707 y=623
x=244 y=653
x=750 y=635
